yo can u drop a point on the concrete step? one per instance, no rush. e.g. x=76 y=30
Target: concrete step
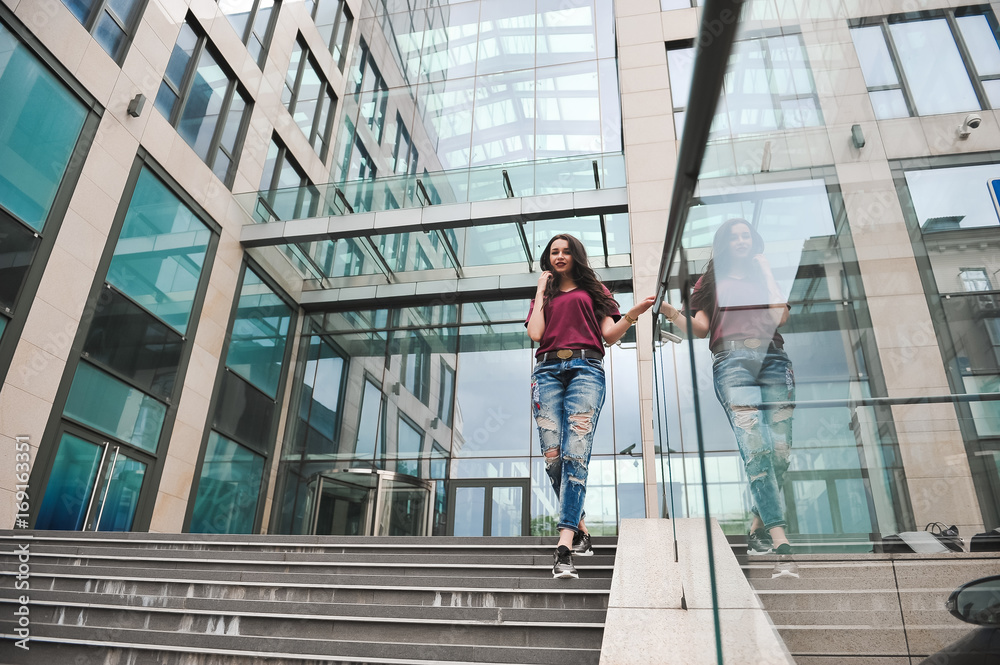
x=225 y=637
x=344 y=611
x=438 y=591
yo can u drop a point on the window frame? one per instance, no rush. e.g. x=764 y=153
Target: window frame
x=102 y=7
x=235 y=87
x=248 y=32
x=951 y=16
x=343 y=12
x=326 y=92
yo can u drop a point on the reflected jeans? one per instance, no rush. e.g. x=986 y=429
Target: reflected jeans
x=744 y=380
x=566 y=399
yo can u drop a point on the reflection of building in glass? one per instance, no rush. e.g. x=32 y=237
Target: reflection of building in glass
x=197 y=334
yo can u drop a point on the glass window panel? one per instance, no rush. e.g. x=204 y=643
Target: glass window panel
x=611 y=108
x=369 y=420
x=40 y=122
x=125 y=10
x=504 y=120
x=680 y=65
x=129 y=340
x=624 y=376
x=324 y=387
x=187 y=40
x=101 y=401
x=566 y=32
x=446 y=109
x=409 y=439
x=307 y=98
x=568 y=108
x=119 y=494
x=288 y=92
x=470 y=511
x=601 y=504
x=889 y=104
x=506 y=511
x=981 y=42
x=159 y=255
x=450 y=48
x=227 y=489
x=203 y=105
x=70 y=485
x=492 y=244
x=221 y=166
x=631 y=486
x=933 y=67
x=947 y=199
x=81 y=8
x=238 y=13
x=234 y=119
x=494 y=374
x=853 y=504
x=165 y=99
x=3 y=325
x=260 y=332
x=17 y=249
x=446 y=397
x=244 y=414
x=873 y=53
x=506 y=36
x=110 y=35
x=993 y=92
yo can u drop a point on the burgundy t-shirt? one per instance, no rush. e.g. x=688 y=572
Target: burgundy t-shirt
x=570 y=322
x=743 y=310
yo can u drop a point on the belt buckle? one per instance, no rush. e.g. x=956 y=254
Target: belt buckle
x=564 y=354
x=751 y=343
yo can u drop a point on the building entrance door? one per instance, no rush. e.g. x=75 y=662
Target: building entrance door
x=362 y=502
x=93 y=486
x=489 y=507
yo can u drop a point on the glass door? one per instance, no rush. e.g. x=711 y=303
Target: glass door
x=344 y=503
x=405 y=505
x=92 y=487
x=489 y=507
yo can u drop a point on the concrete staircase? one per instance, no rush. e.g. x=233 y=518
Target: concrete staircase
x=859 y=609
x=136 y=598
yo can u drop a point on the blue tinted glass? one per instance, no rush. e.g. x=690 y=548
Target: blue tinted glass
x=260 y=331
x=40 y=122
x=70 y=485
x=114 y=408
x=981 y=42
x=160 y=252
x=109 y=35
x=119 y=494
x=228 y=488
x=125 y=10
x=3 y=325
x=80 y=8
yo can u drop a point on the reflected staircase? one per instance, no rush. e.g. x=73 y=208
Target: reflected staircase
x=137 y=598
x=864 y=609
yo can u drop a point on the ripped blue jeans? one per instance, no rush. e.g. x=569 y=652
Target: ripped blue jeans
x=744 y=380
x=566 y=399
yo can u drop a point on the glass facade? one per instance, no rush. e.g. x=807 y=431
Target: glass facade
x=438 y=393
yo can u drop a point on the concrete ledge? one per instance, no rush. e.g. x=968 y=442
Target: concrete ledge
x=647 y=623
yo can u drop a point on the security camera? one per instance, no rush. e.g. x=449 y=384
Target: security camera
x=972 y=121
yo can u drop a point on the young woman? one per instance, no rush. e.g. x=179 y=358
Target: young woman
x=572 y=316
x=739 y=305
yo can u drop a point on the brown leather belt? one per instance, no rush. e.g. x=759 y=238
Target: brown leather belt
x=566 y=354
x=748 y=343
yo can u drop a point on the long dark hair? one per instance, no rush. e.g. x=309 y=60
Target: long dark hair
x=582 y=274
x=721 y=261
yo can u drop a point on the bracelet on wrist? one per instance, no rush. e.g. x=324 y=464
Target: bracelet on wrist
x=630 y=320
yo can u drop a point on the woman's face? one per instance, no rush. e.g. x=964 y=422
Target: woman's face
x=560 y=258
x=740 y=241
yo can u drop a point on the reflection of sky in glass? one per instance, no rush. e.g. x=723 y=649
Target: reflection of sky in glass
x=947 y=196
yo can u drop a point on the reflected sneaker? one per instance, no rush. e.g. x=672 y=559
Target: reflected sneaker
x=785 y=568
x=784 y=549
x=562 y=567
x=581 y=545
x=758 y=542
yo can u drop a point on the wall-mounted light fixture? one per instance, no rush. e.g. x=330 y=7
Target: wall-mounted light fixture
x=857 y=136
x=135 y=106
